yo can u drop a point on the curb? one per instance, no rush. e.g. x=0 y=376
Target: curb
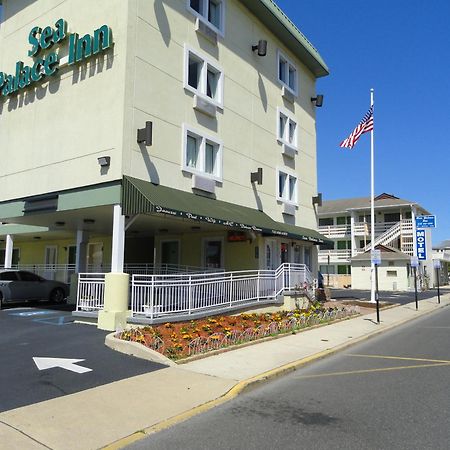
x=253 y=382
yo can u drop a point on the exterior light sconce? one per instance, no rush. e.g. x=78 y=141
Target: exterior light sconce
x=104 y=161
x=88 y=221
x=257 y=177
x=145 y=135
x=261 y=47
x=317 y=200
x=318 y=100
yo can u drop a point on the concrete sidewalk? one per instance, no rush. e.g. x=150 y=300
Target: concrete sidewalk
x=127 y=410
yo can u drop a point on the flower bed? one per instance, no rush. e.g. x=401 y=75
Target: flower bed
x=183 y=339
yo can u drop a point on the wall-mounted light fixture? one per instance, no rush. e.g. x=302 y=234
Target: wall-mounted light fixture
x=318 y=100
x=89 y=221
x=261 y=47
x=257 y=177
x=317 y=200
x=145 y=135
x=104 y=161
x=60 y=224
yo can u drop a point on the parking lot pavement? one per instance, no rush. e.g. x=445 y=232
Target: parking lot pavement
x=82 y=361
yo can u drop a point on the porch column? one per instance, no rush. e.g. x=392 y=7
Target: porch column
x=9 y=251
x=118 y=240
x=81 y=255
x=114 y=314
x=352 y=233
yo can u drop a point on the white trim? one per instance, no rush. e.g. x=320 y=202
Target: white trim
x=222 y=250
x=53 y=247
x=289 y=173
x=201 y=90
x=290 y=118
x=281 y=55
x=203 y=16
x=218 y=176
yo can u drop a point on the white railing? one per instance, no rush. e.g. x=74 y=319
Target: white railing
x=58 y=272
x=335 y=231
x=91 y=292
x=155 y=296
x=169 y=295
x=152 y=269
x=387 y=237
x=363 y=228
x=335 y=256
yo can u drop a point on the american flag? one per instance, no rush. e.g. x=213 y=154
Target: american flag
x=363 y=127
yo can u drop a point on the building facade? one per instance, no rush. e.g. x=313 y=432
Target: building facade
x=347 y=223
x=177 y=132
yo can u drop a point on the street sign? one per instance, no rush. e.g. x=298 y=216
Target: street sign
x=414 y=261
x=64 y=363
x=421 y=245
x=426 y=222
x=436 y=263
x=376 y=257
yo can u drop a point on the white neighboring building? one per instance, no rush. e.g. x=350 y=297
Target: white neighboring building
x=347 y=223
x=441 y=252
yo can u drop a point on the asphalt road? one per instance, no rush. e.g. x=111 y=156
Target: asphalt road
x=43 y=331
x=400 y=297
x=391 y=392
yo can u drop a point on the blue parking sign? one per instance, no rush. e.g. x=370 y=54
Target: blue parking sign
x=421 y=244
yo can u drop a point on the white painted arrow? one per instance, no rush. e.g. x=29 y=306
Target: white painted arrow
x=64 y=363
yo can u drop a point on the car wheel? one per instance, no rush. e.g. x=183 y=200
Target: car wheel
x=57 y=295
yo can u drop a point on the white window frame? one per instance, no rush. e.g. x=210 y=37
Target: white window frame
x=282 y=56
x=285 y=196
x=202 y=88
x=290 y=119
x=203 y=15
x=204 y=138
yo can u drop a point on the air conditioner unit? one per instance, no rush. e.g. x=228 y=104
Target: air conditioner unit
x=206 y=31
x=203 y=105
x=287 y=94
x=289 y=209
x=289 y=151
x=203 y=184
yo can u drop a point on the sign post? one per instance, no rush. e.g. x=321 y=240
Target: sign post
x=376 y=261
x=414 y=265
x=437 y=266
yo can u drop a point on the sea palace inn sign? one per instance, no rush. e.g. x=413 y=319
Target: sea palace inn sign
x=48 y=64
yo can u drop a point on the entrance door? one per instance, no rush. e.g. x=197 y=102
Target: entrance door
x=271 y=258
x=284 y=252
x=51 y=259
x=212 y=252
x=95 y=257
x=170 y=253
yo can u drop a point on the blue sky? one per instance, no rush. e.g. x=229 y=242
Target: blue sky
x=401 y=48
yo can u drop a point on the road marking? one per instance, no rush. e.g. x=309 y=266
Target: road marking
x=32 y=313
x=400 y=358
x=356 y=372
x=63 y=363
x=59 y=320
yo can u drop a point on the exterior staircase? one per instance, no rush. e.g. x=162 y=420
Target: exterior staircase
x=387 y=237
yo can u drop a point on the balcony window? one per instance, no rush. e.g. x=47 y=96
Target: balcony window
x=287 y=74
x=287 y=187
x=211 y=12
x=203 y=77
x=202 y=154
x=326 y=222
x=287 y=128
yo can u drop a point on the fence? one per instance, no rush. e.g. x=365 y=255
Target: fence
x=155 y=296
x=91 y=291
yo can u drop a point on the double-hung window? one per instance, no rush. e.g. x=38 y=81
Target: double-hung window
x=287 y=129
x=211 y=12
x=203 y=77
x=287 y=187
x=202 y=154
x=287 y=73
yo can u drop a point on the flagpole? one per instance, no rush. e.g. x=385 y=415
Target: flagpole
x=372 y=208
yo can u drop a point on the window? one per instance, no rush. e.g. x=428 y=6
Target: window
x=211 y=12
x=202 y=154
x=203 y=77
x=212 y=253
x=344 y=270
x=287 y=128
x=287 y=73
x=343 y=220
x=391 y=273
x=326 y=222
x=28 y=276
x=8 y=276
x=287 y=187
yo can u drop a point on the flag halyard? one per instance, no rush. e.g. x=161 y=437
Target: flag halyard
x=364 y=126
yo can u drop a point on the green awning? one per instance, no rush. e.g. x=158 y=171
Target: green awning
x=143 y=197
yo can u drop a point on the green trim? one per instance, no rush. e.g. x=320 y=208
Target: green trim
x=20 y=229
x=143 y=197
x=270 y=14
